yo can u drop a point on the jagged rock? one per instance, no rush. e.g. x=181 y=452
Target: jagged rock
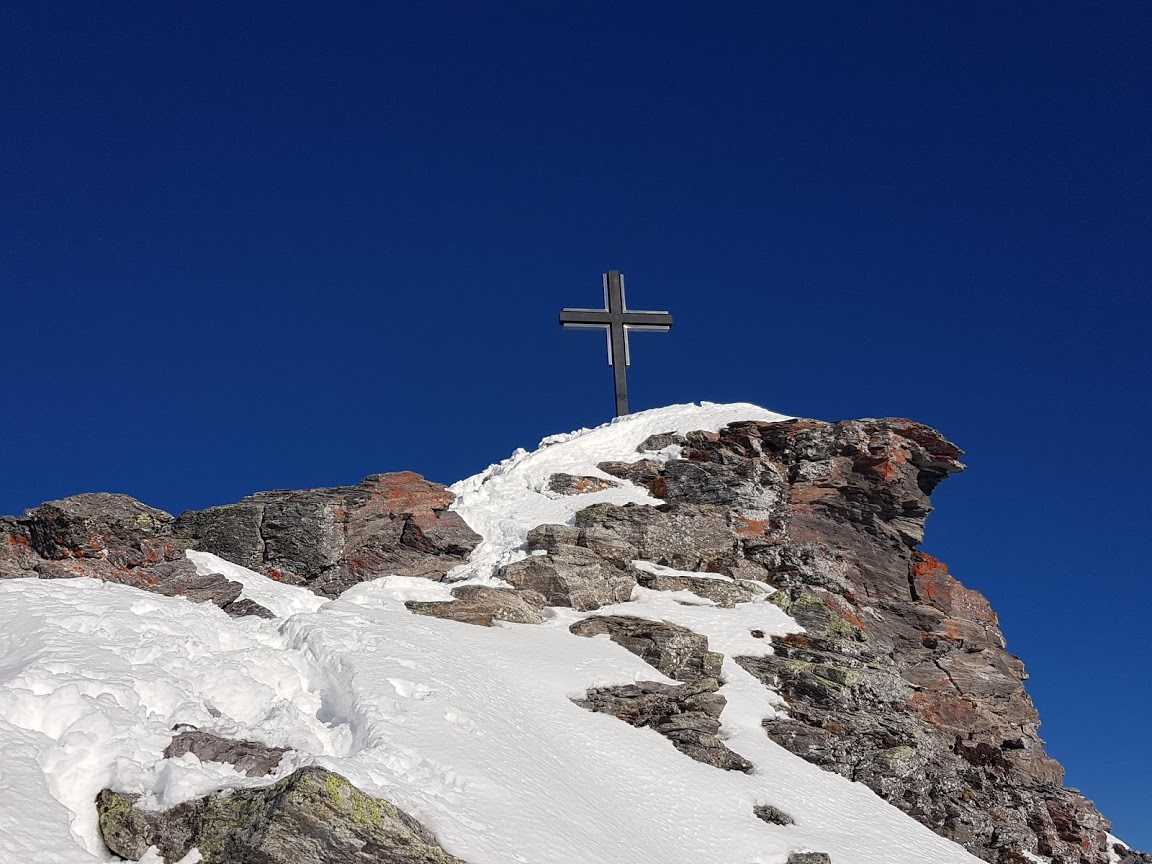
x=484 y=605
x=901 y=680
x=809 y=858
x=1130 y=856
x=660 y=441
x=331 y=539
x=114 y=538
x=244 y=607
x=686 y=714
x=568 y=484
x=250 y=757
x=575 y=577
x=674 y=650
x=310 y=817
x=772 y=815
x=723 y=591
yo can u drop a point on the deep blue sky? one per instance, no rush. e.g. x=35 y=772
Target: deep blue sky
x=265 y=245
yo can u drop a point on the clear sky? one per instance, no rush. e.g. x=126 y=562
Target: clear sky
x=275 y=245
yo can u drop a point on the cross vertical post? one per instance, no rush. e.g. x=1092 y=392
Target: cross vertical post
x=618 y=321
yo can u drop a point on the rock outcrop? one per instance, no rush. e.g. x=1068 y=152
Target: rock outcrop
x=674 y=650
x=688 y=715
x=484 y=605
x=901 y=680
x=331 y=539
x=311 y=816
x=250 y=757
x=113 y=538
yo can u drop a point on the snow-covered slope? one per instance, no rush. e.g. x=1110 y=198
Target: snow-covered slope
x=470 y=729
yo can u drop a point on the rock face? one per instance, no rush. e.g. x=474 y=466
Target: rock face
x=901 y=680
x=331 y=539
x=310 y=817
x=113 y=538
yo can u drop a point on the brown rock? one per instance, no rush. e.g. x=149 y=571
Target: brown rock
x=568 y=484
x=329 y=539
x=484 y=605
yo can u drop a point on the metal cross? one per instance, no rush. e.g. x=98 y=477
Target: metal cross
x=618 y=321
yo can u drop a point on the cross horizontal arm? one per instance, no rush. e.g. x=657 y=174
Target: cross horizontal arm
x=585 y=317
x=599 y=317
x=647 y=319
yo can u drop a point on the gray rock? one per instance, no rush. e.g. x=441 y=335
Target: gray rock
x=568 y=484
x=331 y=539
x=726 y=592
x=484 y=605
x=772 y=815
x=674 y=650
x=685 y=714
x=250 y=757
x=576 y=577
x=310 y=817
x=809 y=858
x=660 y=441
x=113 y=538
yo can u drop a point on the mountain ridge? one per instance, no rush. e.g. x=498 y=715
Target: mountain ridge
x=823 y=517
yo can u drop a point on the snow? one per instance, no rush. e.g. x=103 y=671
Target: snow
x=470 y=729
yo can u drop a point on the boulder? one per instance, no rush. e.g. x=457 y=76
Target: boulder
x=568 y=484
x=722 y=590
x=674 y=650
x=484 y=605
x=249 y=757
x=311 y=816
x=114 y=538
x=686 y=714
x=772 y=815
x=574 y=577
x=330 y=539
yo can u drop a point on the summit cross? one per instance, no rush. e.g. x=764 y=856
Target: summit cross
x=618 y=320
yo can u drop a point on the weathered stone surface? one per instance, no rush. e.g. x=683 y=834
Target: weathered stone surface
x=772 y=815
x=685 y=714
x=331 y=539
x=660 y=441
x=251 y=757
x=484 y=605
x=568 y=484
x=674 y=650
x=114 y=538
x=809 y=858
x=726 y=592
x=310 y=817
x=901 y=680
x=574 y=577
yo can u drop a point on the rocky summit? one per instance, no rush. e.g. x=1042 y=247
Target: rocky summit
x=797 y=680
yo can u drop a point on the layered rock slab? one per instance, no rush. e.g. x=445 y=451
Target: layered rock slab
x=687 y=714
x=313 y=816
x=113 y=538
x=330 y=539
